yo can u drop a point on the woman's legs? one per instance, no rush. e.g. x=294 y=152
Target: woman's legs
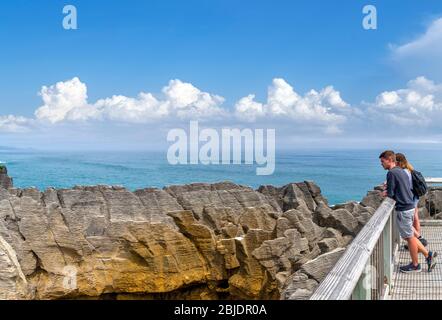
x=416 y=223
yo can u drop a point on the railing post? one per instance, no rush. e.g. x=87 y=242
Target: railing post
x=362 y=290
x=388 y=256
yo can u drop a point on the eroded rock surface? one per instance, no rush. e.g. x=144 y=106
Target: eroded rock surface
x=198 y=241
x=5 y=180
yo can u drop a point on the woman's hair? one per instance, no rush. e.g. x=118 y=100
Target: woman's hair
x=402 y=162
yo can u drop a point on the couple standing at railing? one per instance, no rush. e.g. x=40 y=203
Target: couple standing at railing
x=405 y=186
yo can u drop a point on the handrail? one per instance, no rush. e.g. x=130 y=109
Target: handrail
x=433 y=181
x=348 y=272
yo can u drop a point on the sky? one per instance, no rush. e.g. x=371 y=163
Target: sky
x=134 y=69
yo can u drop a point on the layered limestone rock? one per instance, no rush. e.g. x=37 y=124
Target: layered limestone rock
x=5 y=180
x=431 y=204
x=198 y=241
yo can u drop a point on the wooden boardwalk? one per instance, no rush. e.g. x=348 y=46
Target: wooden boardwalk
x=369 y=267
x=424 y=285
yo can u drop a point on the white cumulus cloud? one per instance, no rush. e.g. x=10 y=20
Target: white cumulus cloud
x=68 y=101
x=419 y=104
x=248 y=109
x=64 y=101
x=325 y=107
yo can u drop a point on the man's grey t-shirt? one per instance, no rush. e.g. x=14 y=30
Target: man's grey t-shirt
x=399 y=189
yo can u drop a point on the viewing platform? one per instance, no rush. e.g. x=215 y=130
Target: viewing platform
x=369 y=268
x=424 y=285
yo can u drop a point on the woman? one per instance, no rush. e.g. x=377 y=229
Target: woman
x=402 y=162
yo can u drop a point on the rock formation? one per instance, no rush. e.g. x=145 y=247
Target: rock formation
x=198 y=241
x=431 y=205
x=5 y=180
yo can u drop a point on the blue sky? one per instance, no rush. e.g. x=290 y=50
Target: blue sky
x=226 y=48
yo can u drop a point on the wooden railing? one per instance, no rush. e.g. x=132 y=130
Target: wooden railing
x=433 y=181
x=364 y=272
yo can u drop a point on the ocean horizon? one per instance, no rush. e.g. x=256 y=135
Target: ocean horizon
x=343 y=175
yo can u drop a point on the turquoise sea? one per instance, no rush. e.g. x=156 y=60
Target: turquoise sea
x=342 y=175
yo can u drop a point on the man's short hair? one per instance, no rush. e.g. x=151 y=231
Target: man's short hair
x=388 y=155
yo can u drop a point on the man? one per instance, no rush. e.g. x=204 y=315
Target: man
x=400 y=190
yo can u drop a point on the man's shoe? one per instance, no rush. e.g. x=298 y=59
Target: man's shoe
x=421 y=239
x=411 y=268
x=431 y=260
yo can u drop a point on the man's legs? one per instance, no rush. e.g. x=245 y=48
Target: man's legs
x=405 y=226
x=417 y=229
